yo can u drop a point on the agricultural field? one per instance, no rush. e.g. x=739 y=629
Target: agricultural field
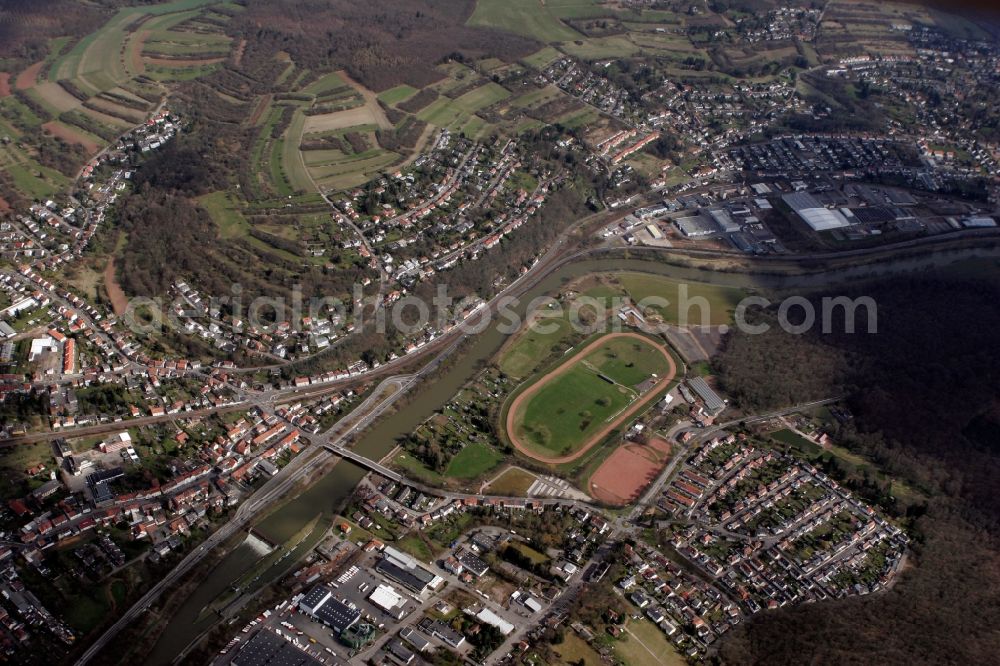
x=88 y=91
x=396 y=95
x=530 y=18
x=481 y=97
x=563 y=413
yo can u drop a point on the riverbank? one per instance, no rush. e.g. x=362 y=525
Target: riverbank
x=330 y=490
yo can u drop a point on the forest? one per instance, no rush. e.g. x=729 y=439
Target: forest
x=381 y=44
x=923 y=391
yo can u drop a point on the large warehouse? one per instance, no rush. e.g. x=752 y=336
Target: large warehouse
x=814 y=213
x=388 y=600
x=407 y=571
x=320 y=604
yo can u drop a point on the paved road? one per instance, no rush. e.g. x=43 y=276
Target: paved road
x=558 y=255
x=269 y=493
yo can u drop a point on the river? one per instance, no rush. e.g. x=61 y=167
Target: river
x=328 y=495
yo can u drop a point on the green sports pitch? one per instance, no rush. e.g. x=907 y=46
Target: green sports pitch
x=564 y=412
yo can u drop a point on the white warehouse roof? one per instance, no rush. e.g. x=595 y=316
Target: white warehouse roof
x=386 y=597
x=813 y=213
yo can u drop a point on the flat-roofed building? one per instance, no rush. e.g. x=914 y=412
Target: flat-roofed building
x=388 y=600
x=400 y=652
x=407 y=571
x=320 y=604
x=315 y=598
x=267 y=649
x=813 y=213
x=413 y=637
x=713 y=403
x=473 y=564
x=696 y=226
x=489 y=617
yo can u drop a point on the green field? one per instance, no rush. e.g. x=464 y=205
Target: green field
x=327 y=82
x=565 y=412
x=531 y=347
x=547 y=335
x=472 y=461
x=644 y=644
x=224 y=213
x=443 y=112
x=571 y=408
x=536 y=98
x=530 y=18
x=577 y=9
x=513 y=482
x=793 y=438
x=97 y=59
x=482 y=97
x=352 y=170
x=575 y=650
x=414 y=468
x=529 y=552
x=600 y=48
x=722 y=301
x=292 y=163
x=397 y=94
x=541 y=59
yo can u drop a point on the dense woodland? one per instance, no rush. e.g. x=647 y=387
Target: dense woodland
x=924 y=394
x=381 y=44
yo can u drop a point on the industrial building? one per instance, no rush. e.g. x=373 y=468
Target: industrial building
x=696 y=226
x=487 y=616
x=813 y=213
x=413 y=637
x=267 y=649
x=389 y=601
x=408 y=572
x=473 y=564
x=399 y=651
x=320 y=604
x=724 y=220
x=713 y=403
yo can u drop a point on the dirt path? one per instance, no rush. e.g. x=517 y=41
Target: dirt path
x=371 y=100
x=4 y=84
x=262 y=105
x=119 y=301
x=238 y=53
x=509 y=422
x=135 y=46
x=29 y=77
